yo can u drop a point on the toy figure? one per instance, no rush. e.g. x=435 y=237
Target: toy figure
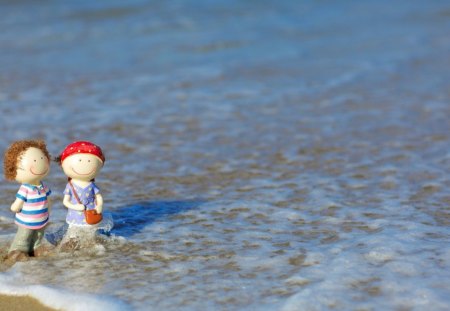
x=81 y=161
x=28 y=162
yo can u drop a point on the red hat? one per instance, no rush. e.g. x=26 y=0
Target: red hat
x=82 y=147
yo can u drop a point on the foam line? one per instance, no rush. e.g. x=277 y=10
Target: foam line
x=61 y=299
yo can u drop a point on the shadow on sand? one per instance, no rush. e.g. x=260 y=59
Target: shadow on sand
x=129 y=220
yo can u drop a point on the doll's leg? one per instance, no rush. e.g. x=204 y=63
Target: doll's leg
x=71 y=240
x=21 y=245
x=38 y=248
x=37 y=237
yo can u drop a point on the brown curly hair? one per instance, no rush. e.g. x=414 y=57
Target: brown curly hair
x=14 y=153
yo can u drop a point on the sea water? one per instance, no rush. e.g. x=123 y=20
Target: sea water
x=260 y=155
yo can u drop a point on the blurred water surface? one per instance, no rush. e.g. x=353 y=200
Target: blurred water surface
x=288 y=155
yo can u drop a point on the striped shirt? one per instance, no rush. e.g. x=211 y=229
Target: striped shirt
x=34 y=213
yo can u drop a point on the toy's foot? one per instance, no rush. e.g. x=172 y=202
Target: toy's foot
x=17 y=255
x=71 y=245
x=41 y=251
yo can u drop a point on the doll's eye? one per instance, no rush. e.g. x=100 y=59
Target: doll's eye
x=42 y=158
x=89 y=160
x=34 y=160
x=79 y=160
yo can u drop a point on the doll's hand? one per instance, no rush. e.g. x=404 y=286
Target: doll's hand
x=79 y=207
x=99 y=209
x=16 y=208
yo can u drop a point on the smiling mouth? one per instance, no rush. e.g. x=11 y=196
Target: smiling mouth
x=38 y=174
x=82 y=173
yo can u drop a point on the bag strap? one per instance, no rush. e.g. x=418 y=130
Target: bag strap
x=75 y=194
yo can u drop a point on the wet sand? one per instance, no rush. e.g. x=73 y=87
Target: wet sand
x=21 y=303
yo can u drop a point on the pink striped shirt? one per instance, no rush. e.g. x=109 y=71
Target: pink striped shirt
x=34 y=213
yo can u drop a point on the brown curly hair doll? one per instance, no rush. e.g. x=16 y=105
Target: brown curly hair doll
x=14 y=152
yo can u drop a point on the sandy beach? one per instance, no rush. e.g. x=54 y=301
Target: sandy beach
x=21 y=303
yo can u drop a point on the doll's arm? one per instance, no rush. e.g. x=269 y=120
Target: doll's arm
x=68 y=204
x=98 y=203
x=17 y=205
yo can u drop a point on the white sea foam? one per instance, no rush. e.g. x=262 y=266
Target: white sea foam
x=386 y=271
x=10 y=284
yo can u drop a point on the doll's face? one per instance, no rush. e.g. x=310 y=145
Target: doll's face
x=82 y=166
x=32 y=167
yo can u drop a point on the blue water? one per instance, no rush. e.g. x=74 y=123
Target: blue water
x=261 y=155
